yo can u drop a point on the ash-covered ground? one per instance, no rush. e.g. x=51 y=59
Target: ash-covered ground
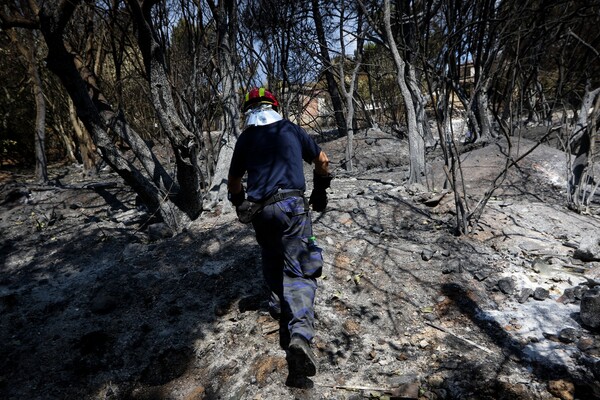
x=96 y=305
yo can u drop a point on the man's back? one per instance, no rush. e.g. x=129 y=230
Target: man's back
x=272 y=155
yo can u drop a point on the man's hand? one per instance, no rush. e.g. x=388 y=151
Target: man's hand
x=246 y=211
x=237 y=198
x=318 y=197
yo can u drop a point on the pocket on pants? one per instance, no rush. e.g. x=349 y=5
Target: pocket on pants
x=292 y=206
x=312 y=260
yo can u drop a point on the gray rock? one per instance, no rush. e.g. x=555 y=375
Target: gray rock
x=525 y=294
x=590 y=308
x=541 y=294
x=507 y=285
x=568 y=296
x=427 y=254
x=451 y=266
x=586 y=343
x=579 y=291
x=569 y=335
x=377 y=229
x=482 y=274
x=589 y=248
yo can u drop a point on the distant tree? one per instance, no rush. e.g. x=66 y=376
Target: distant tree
x=328 y=68
x=406 y=78
x=349 y=15
x=17 y=108
x=27 y=44
x=382 y=90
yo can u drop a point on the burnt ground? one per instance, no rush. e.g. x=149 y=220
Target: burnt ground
x=93 y=305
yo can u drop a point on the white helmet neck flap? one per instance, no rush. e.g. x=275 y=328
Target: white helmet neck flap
x=262 y=115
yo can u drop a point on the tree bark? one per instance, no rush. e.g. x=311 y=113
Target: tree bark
x=416 y=143
x=28 y=47
x=349 y=91
x=332 y=88
x=41 y=161
x=586 y=136
x=84 y=141
x=225 y=15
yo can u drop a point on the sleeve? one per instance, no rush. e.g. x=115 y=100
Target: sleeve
x=310 y=148
x=237 y=167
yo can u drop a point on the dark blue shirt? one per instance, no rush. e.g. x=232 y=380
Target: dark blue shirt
x=272 y=155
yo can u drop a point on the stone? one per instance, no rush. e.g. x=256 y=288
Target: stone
x=585 y=344
x=482 y=274
x=451 y=266
x=525 y=294
x=507 y=285
x=378 y=229
x=569 y=335
x=579 y=291
x=427 y=254
x=568 y=296
x=562 y=389
x=541 y=294
x=590 y=308
x=589 y=248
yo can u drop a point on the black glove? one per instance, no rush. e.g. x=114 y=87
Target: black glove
x=318 y=197
x=246 y=211
x=238 y=198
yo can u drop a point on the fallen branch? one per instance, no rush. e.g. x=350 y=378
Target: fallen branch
x=408 y=391
x=459 y=337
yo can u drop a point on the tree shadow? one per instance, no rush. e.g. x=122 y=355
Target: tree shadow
x=104 y=307
x=543 y=367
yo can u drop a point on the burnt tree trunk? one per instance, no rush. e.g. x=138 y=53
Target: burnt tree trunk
x=585 y=131
x=332 y=88
x=177 y=201
x=27 y=48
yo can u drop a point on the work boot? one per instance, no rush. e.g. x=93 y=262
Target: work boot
x=301 y=360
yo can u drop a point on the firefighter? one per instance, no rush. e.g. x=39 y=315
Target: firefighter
x=270 y=151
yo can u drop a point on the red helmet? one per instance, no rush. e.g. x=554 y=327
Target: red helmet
x=259 y=96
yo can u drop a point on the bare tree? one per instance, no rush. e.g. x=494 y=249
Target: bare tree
x=328 y=68
x=177 y=200
x=582 y=180
x=27 y=44
x=349 y=84
x=411 y=94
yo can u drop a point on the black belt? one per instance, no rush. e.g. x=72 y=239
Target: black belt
x=281 y=195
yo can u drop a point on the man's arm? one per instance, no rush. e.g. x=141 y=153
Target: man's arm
x=321 y=164
x=235 y=191
x=234 y=184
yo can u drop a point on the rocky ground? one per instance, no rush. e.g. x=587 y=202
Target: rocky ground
x=96 y=304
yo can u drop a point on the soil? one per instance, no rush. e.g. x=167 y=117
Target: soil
x=96 y=302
